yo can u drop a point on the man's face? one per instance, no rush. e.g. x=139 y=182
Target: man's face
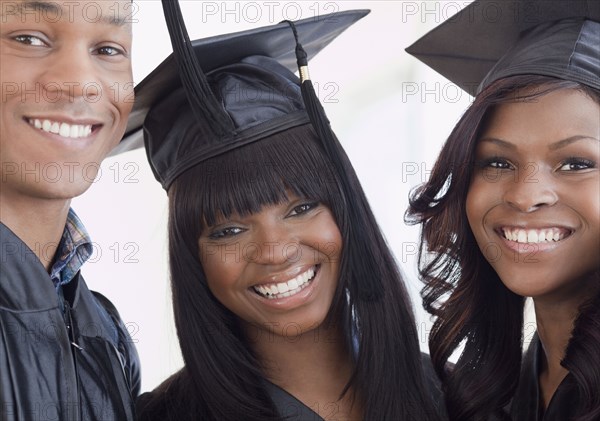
x=67 y=90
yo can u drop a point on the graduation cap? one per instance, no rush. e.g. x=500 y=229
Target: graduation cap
x=217 y=94
x=494 y=39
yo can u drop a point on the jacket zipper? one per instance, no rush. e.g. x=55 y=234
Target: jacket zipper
x=74 y=349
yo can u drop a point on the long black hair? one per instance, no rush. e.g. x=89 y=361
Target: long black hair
x=472 y=305
x=222 y=379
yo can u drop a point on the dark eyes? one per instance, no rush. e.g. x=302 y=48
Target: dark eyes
x=303 y=208
x=35 y=41
x=225 y=232
x=109 y=51
x=495 y=163
x=232 y=231
x=576 y=164
x=30 y=40
x=569 y=164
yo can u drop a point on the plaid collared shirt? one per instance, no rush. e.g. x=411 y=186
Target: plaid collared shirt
x=74 y=249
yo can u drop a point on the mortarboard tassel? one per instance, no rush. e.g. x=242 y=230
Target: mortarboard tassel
x=194 y=80
x=369 y=286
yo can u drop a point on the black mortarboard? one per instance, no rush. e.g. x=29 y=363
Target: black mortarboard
x=494 y=39
x=253 y=93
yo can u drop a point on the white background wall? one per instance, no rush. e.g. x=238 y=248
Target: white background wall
x=391 y=113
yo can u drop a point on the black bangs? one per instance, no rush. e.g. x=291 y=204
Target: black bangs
x=244 y=180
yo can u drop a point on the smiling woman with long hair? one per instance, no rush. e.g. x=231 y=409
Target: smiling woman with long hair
x=288 y=302
x=511 y=211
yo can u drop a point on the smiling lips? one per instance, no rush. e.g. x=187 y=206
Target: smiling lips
x=73 y=131
x=535 y=236
x=286 y=289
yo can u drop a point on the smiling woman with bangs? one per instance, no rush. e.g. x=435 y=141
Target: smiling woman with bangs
x=269 y=242
x=288 y=302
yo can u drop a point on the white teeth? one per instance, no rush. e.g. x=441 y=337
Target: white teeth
x=533 y=236
x=286 y=289
x=65 y=130
x=73 y=131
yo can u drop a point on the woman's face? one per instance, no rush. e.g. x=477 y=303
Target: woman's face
x=534 y=200
x=277 y=269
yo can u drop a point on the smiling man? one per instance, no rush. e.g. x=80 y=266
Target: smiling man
x=66 y=86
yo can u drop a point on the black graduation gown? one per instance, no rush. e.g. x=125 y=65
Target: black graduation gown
x=527 y=405
x=43 y=375
x=171 y=400
x=291 y=409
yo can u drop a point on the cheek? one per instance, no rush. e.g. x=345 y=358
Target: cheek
x=221 y=269
x=326 y=238
x=482 y=197
x=591 y=208
x=123 y=96
x=585 y=201
x=14 y=71
x=221 y=289
x=332 y=244
x=474 y=206
x=116 y=88
x=591 y=204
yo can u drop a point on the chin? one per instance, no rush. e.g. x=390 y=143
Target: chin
x=61 y=190
x=526 y=283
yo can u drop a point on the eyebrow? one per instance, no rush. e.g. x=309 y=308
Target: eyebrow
x=499 y=142
x=53 y=7
x=553 y=146
x=569 y=140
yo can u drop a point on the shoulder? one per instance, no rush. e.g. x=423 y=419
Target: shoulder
x=433 y=385
x=431 y=379
x=108 y=312
x=168 y=402
x=149 y=407
x=125 y=344
x=107 y=305
x=160 y=404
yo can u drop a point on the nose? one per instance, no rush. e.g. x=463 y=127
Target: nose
x=274 y=244
x=71 y=74
x=531 y=190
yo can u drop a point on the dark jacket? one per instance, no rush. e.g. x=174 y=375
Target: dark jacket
x=172 y=401
x=527 y=405
x=78 y=364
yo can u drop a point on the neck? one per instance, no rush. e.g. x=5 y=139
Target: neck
x=314 y=367
x=555 y=321
x=39 y=223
